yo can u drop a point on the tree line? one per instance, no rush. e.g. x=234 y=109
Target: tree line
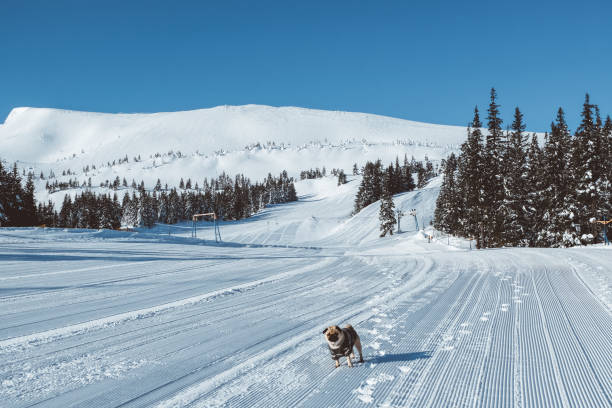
x=377 y=181
x=17 y=203
x=230 y=198
x=506 y=190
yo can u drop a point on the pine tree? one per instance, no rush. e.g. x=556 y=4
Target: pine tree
x=449 y=203
x=558 y=184
x=292 y=195
x=386 y=214
x=470 y=170
x=29 y=216
x=341 y=177
x=586 y=165
x=397 y=177
x=515 y=227
x=536 y=202
x=370 y=189
x=4 y=196
x=493 y=219
x=146 y=211
x=421 y=175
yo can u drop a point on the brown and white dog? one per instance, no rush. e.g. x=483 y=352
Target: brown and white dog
x=341 y=342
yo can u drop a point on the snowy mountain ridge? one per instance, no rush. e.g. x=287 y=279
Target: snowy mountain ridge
x=252 y=139
x=46 y=135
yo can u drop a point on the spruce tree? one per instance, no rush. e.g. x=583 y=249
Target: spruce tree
x=448 y=204
x=29 y=216
x=406 y=181
x=341 y=178
x=586 y=165
x=386 y=214
x=536 y=202
x=559 y=185
x=493 y=219
x=515 y=227
x=469 y=182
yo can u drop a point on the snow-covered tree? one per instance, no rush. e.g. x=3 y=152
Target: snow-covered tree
x=386 y=214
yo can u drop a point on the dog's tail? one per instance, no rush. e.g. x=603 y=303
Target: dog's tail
x=348 y=326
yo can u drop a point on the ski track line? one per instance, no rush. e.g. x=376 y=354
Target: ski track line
x=306 y=396
x=201 y=391
x=420 y=389
x=103 y=297
x=184 y=269
x=596 y=295
x=463 y=362
x=91 y=268
x=498 y=369
x=564 y=349
x=438 y=397
x=433 y=395
x=425 y=334
x=551 y=351
x=323 y=375
x=580 y=346
x=198 y=368
x=326 y=373
x=91 y=302
x=540 y=387
x=169 y=328
x=382 y=377
x=147 y=312
x=251 y=365
x=448 y=318
x=192 y=393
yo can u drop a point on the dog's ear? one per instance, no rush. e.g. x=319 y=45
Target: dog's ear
x=338 y=328
x=325 y=331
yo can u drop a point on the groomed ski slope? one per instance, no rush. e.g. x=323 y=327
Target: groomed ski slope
x=157 y=319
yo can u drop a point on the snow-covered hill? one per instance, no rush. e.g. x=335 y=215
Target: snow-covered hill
x=47 y=135
x=250 y=139
x=158 y=319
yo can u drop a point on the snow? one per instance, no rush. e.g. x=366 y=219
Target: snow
x=60 y=132
x=251 y=139
x=152 y=319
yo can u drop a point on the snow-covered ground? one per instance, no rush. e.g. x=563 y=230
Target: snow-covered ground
x=158 y=319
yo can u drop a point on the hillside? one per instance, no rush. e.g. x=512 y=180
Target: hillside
x=47 y=135
x=250 y=139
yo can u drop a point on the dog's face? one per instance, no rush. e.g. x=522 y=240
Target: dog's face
x=333 y=334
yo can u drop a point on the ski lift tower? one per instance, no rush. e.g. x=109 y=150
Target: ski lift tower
x=414 y=214
x=399 y=213
x=194 y=227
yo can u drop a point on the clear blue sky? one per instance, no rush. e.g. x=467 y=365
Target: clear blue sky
x=429 y=61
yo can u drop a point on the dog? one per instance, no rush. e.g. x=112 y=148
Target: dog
x=341 y=342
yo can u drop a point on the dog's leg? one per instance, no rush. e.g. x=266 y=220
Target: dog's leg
x=352 y=353
x=337 y=363
x=358 y=345
x=348 y=359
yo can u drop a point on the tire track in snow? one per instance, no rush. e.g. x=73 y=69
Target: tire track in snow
x=170 y=328
x=144 y=313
